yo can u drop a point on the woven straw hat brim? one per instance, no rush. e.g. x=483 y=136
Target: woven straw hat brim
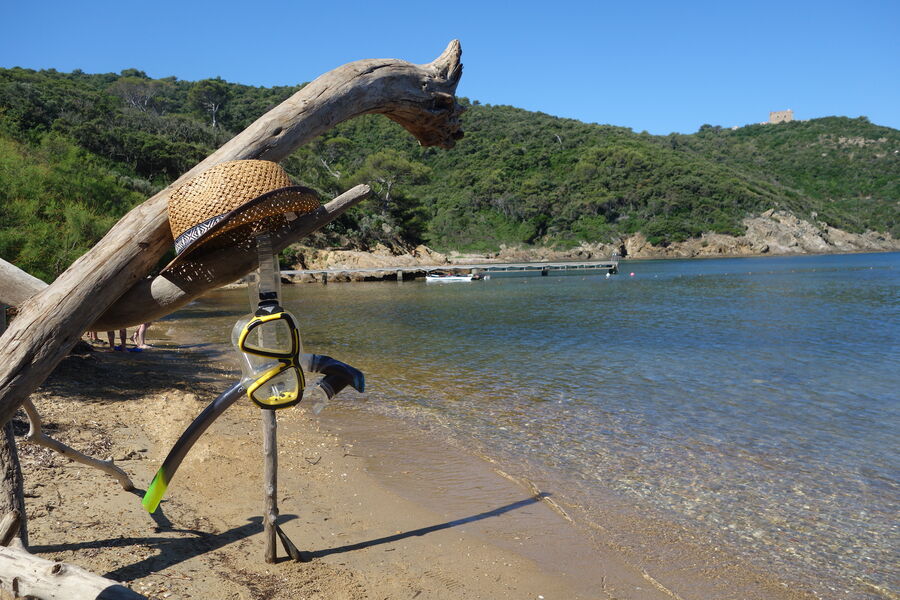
x=268 y=212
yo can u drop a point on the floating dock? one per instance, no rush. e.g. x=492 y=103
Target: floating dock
x=412 y=272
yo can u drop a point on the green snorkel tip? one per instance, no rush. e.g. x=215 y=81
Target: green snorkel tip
x=155 y=492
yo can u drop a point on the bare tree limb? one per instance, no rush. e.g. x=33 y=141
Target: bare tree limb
x=419 y=97
x=37 y=436
x=9 y=526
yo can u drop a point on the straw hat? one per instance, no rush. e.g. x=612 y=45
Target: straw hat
x=231 y=202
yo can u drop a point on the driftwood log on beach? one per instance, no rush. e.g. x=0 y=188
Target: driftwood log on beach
x=419 y=97
x=24 y=575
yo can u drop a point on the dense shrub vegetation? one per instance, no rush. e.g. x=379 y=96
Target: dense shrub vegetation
x=79 y=150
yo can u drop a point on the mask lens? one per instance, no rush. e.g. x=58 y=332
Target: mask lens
x=281 y=390
x=270 y=337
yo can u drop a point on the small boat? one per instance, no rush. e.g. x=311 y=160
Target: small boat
x=441 y=277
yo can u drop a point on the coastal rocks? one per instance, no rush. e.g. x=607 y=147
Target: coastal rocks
x=772 y=232
x=638 y=246
x=584 y=251
x=784 y=233
x=514 y=255
x=379 y=257
x=428 y=256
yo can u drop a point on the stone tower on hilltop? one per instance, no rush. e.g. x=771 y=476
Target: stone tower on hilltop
x=781 y=116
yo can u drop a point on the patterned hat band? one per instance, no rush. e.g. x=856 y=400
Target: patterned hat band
x=196 y=232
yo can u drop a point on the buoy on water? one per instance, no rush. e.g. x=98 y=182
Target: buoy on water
x=631 y=274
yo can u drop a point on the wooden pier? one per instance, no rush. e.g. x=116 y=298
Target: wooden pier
x=418 y=271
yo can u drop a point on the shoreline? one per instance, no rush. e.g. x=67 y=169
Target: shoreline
x=620 y=553
x=385 y=271
x=390 y=510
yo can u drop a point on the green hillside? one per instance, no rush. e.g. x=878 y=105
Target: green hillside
x=78 y=150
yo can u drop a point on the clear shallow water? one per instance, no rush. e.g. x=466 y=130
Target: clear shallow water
x=755 y=399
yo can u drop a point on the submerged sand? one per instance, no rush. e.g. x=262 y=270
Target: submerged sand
x=387 y=510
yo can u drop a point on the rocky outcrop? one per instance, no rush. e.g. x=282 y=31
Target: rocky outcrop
x=381 y=257
x=772 y=232
x=781 y=232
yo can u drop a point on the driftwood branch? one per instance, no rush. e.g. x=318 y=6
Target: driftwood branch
x=419 y=97
x=153 y=298
x=9 y=527
x=37 y=436
x=24 y=575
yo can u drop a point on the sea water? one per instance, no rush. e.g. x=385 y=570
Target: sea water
x=754 y=400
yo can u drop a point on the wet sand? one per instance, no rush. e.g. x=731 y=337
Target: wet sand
x=388 y=511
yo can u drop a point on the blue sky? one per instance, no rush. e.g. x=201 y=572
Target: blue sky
x=648 y=65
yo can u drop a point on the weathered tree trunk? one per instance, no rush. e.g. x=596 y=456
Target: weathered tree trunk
x=419 y=97
x=17 y=286
x=12 y=493
x=12 y=496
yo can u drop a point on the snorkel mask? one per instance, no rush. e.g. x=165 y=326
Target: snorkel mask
x=269 y=345
x=268 y=340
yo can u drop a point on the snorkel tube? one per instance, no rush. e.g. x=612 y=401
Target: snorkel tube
x=157 y=488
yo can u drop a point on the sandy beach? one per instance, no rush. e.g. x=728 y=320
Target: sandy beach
x=387 y=511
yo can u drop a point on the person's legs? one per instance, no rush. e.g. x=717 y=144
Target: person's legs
x=140 y=336
x=111 y=336
x=123 y=334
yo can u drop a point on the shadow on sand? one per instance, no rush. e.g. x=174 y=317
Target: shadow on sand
x=432 y=528
x=174 y=550
x=103 y=376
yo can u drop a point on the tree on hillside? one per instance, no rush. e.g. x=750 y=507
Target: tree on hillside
x=209 y=96
x=330 y=153
x=136 y=92
x=386 y=169
x=134 y=73
x=399 y=217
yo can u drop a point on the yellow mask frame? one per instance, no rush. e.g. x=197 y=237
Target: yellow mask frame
x=288 y=367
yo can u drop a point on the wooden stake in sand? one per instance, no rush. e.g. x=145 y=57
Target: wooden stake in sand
x=269 y=284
